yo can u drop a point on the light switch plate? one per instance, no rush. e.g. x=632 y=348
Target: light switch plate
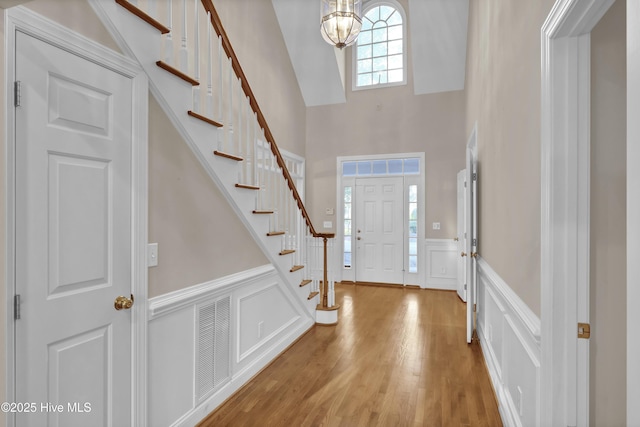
x=327 y=224
x=152 y=255
x=328 y=211
x=436 y=226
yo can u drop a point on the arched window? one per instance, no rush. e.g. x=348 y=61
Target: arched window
x=380 y=49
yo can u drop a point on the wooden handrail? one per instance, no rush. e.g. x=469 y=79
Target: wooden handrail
x=226 y=45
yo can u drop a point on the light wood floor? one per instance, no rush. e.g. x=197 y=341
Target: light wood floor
x=398 y=357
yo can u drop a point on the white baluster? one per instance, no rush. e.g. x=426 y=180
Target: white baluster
x=168 y=41
x=209 y=107
x=230 y=125
x=184 y=54
x=220 y=79
x=196 y=58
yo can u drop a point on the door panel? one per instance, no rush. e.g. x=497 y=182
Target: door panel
x=461 y=236
x=73 y=237
x=379 y=230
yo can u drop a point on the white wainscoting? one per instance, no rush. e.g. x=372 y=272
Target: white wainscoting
x=441 y=264
x=509 y=335
x=263 y=320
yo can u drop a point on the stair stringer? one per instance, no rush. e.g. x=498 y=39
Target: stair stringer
x=142 y=42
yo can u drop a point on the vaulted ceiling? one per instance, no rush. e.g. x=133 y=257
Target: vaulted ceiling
x=437 y=30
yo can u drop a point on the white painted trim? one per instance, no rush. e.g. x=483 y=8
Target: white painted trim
x=633 y=211
x=510 y=341
x=434 y=280
x=564 y=196
x=26 y=21
x=177 y=300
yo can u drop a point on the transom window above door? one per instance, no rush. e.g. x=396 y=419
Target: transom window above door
x=379 y=56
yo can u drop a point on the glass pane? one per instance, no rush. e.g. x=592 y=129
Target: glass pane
x=365 y=79
x=380 y=167
x=380 y=49
x=380 y=35
x=364 y=168
x=364 y=66
x=413 y=193
x=379 y=64
x=347 y=260
x=347 y=244
x=413 y=246
x=347 y=211
x=411 y=165
x=413 y=264
x=385 y=12
x=413 y=211
x=374 y=14
x=380 y=77
x=395 y=33
x=366 y=25
x=395 y=47
x=364 y=51
x=364 y=37
x=347 y=192
x=395 y=61
x=413 y=229
x=395 y=76
x=395 y=166
x=349 y=169
x=395 y=19
x=347 y=227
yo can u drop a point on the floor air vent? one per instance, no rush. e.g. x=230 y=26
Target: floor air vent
x=213 y=345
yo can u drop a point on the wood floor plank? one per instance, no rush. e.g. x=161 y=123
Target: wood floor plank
x=398 y=357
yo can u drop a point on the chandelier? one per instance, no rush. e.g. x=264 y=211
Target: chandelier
x=341 y=21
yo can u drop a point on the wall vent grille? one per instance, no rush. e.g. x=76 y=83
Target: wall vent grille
x=214 y=346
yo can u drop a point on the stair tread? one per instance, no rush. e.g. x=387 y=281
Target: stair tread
x=228 y=156
x=296 y=268
x=275 y=233
x=142 y=15
x=257 y=212
x=313 y=294
x=287 y=252
x=177 y=73
x=305 y=282
x=204 y=119
x=247 y=186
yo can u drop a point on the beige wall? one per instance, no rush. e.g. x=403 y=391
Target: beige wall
x=199 y=236
x=252 y=27
x=503 y=96
x=608 y=219
x=3 y=227
x=384 y=121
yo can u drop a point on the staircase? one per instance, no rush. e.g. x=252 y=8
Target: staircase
x=195 y=76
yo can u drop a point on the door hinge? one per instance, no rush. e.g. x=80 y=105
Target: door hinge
x=16 y=307
x=474 y=242
x=465 y=184
x=465 y=286
x=584 y=330
x=16 y=93
x=474 y=176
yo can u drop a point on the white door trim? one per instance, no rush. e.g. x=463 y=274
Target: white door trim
x=564 y=233
x=28 y=22
x=417 y=179
x=633 y=211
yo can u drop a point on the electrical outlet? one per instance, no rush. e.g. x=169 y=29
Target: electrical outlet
x=152 y=255
x=436 y=226
x=327 y=224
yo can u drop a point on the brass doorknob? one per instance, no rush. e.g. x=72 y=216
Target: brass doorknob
x=463 y=254
x=123 y=303
x=455 y=239
x=474 y=254
x=358 y=238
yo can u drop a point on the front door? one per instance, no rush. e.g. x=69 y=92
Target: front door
x=73 y=239
x=379 y=230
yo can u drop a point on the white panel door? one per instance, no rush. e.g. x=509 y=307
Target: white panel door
x=73 y=238
x=461 y=236
x=379 y=230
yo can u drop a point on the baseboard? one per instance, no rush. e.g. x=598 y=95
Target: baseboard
x=258 y=320
x=509 y=334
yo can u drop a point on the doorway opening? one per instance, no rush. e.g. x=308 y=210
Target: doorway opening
x=380 y=200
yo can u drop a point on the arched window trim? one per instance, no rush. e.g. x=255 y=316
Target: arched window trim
x=354 y=49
